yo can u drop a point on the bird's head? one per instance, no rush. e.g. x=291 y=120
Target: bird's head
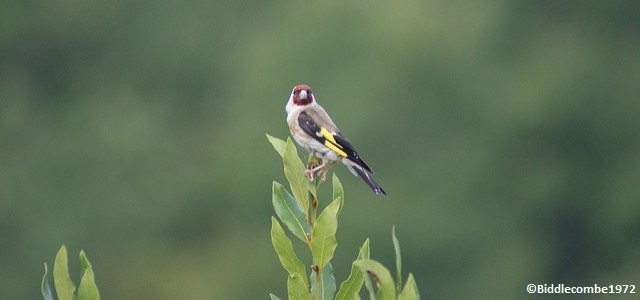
x=301 y=95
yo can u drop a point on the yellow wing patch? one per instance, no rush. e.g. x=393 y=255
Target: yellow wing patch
x=330 y=142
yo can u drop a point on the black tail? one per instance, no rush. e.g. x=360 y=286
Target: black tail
x=369 y=180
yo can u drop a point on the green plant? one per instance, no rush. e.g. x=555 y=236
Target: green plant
x=64 y=287
x=298 y=212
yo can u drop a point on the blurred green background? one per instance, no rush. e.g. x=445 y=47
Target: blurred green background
x=506 y=133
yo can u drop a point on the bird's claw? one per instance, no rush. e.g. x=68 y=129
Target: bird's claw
x=310 y=173
x=324 y=176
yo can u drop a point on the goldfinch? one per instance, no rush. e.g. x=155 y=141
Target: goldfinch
x=312 y=128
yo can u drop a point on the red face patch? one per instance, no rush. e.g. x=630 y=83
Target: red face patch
x=298 y=94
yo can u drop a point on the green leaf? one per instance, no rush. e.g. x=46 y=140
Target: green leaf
x=313 y=191
x=277 y=144
x=85 y=265
x=294 y=171
x=47 y=293
x=87 y=289
x=296 y=288
x=350 y=288
x=338 y=191
x=410 y=291
x=274 y=297
x=352 y=285
x=64 y=286
x=323 y=237
x=396 y=248
x=284 y=249
x=364 y=252
x=382 y=277
x=327 y=283
x=370 y=287
x=289 y=212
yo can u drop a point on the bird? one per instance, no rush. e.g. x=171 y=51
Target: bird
x=313 y=129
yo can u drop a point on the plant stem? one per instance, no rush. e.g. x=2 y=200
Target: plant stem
x=313 y=210
x=312 y=217
x=318 y=272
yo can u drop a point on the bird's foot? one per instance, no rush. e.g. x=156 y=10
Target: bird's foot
x=324 y=177
x=324 y=172
x=313 y=167
x=310 y=173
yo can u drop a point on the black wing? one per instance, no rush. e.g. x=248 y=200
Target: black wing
x=333 y=141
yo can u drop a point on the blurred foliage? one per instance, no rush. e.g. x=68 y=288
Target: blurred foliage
x=65 y=289
x=506 y=135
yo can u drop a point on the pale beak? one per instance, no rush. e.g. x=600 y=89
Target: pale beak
x=303 y=95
